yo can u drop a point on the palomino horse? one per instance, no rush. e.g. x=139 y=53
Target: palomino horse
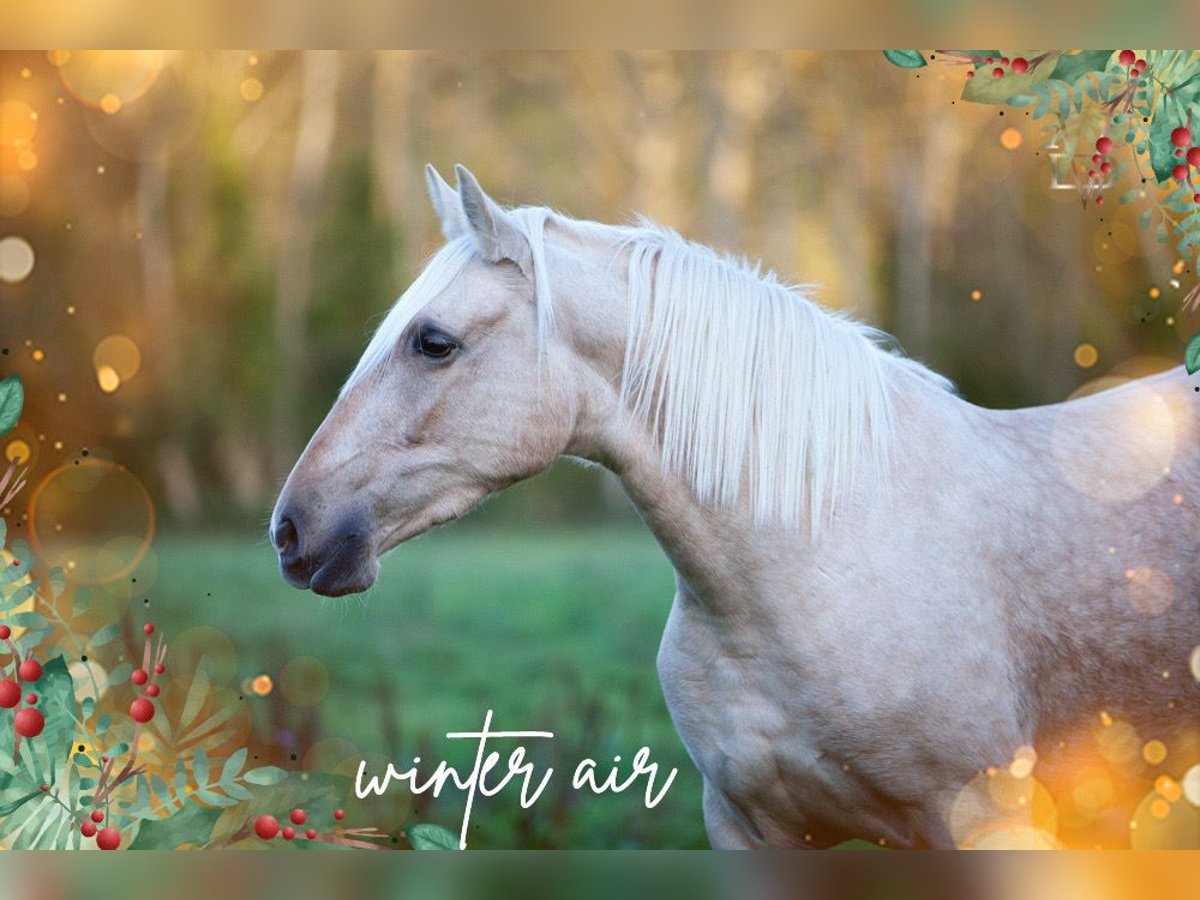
x=883 y=591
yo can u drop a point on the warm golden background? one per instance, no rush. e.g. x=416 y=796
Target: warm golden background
x=195 y=247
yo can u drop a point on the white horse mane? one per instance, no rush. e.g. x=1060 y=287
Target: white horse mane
x=750 y=387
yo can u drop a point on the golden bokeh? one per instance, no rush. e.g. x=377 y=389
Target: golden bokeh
x=1010 y=139
x=17 y=451
x=1154 y=752
x=1194 y=662
x=18 y=123
x=107 y=519
x=1159 y=823
x=251 y=89
x=94 y=75
x=111 y=104
x=1086 y=356
x=16 y=259
x=14 y=194
x=262 y=685
x=1119 y=742
x=120 y=354
x=976 y=295
x=997 y=809
x=107 y=378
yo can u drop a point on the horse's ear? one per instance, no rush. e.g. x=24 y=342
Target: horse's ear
x=496 y=234
x=446 y=204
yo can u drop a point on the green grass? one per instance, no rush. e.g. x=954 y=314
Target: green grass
x=553 y=630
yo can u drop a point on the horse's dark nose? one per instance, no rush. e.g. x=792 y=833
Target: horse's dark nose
x=287 y=540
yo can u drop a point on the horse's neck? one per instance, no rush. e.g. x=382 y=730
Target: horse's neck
x=723 y=558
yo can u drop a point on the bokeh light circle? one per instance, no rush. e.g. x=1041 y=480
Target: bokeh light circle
x=16 y=450
x=14 y=194
x=18 y=123
x=1094 y=463
x=93 y=518
x=119 y=354
x=1151 y=591
x=106 y=77
x=16 y=259
x=304 y=681
x=207 y=646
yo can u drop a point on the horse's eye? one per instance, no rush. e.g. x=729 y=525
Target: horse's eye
x=433 y=343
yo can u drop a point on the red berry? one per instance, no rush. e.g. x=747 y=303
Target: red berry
x=1104 y=144
x=1096 y=157
x=5 y=632
x=97 y=816
x=1020 y=65
x=31 y=699
x=29 y=722
x=266 y=827
x=1091 y=174
x=1193 y=156
x=30 y=670
x=299 y=817
x=1181 y=137
x=1140 y=63
x=45 y=787
x=141 y=710
x=159 y=668
x=339 y=814
x=108 y=839
x=997 y=72
x=1180 y=172
x=288 y=833
x=139 y=676
x=989 y=61
x=311 y=834
x=10 y=693
x=148 y=628
x=1100 y=200
x=1004 y=60
x=1126 y=57
x=970 y=73
x=1196 y=198
x=152 y=690
x=87 y=829
x=1105 y=167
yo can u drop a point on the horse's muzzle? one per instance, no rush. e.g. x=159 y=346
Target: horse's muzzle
x=343 y=565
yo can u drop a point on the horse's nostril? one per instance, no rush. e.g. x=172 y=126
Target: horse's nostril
x=287 y=540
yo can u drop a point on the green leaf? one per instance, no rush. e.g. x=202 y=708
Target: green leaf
x=12 y=398
x=1191 y=354
x=80 y=601
x=983 y=88
x=233 y=766
x=1070 y=66
x=265 y=775
x=106 y=635
x=191 y=825
x=426 y=836
x=200 y=768
x=905 y=59
x=212 y=798
x=58 y=581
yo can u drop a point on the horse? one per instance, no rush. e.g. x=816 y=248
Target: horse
x=888 y=600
